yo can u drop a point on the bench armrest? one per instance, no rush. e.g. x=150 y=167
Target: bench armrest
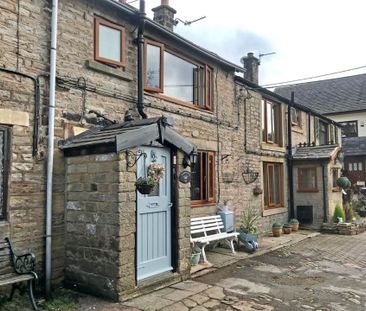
x=23 y=263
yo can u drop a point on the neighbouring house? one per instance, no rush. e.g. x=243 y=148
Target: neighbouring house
x=344 y=101
x=355 y=160
x=220 y=137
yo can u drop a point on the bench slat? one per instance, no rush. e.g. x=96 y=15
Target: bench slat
x=215 y=237
x=205 y=218
x=10 y=279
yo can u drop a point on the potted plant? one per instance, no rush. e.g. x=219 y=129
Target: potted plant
x=277 y=229
x=287 y=228
x=195 y=256
x=155 y=172
x=294 y=224
x=145 y=185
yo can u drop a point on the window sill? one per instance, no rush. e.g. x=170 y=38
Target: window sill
x=199 y=204
x=102 y=68
x=297 y=129
x=274 y=211
x=266 y=146
x=307 y=190
x=177 y=101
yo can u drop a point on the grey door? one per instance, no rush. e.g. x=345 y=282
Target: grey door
x=154 y=217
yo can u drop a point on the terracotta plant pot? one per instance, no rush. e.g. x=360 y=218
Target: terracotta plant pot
x=277 y=232
x=287 y=229
x=295 y=227
x=294 y=224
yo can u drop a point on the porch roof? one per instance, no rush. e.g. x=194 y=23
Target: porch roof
x=322 y=152
x=122 y=136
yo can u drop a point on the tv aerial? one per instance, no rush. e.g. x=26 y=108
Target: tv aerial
x=187 y=23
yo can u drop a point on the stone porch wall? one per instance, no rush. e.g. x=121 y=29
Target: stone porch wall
x=93 y=202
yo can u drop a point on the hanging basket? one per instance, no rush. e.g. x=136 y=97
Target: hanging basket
x=145 y=189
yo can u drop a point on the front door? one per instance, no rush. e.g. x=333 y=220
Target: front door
x=154 y=217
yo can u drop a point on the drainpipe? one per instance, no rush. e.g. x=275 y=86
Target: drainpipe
x=309 y=129
x=289 y=158
x=325 y=216
x=51 y=134
x=140 y=61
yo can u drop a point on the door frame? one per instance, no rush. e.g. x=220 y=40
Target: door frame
x=173 y=214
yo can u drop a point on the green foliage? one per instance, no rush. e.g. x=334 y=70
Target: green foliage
x=294 y=221
x=195 y=250
x=339 y=213
x=348 y=210
x=357 y=205
x=249 y=220
x=277 y=225
x=62 y=300
x=287 y=226
x=148 y=181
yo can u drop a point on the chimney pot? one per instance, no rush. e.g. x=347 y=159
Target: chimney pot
x=251 y=64
x=165 y=2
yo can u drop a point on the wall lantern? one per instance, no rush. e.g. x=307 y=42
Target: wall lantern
x=191 y=160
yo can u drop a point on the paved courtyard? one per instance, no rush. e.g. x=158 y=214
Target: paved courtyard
x=326 y=272
x=322 y=272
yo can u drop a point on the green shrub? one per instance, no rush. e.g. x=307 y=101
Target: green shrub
x=338 y=213
x=348 y=210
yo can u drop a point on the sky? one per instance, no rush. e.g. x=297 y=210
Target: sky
x=309 y=37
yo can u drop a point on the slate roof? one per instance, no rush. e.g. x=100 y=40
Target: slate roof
x=122 y=136
x=354 y=146
x=330 y=96
x=322 y=152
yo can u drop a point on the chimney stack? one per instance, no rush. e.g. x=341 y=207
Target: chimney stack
x=164 y=15
x=251 y=64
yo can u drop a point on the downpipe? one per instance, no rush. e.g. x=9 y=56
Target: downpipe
x=140 y=61
x=50 y=151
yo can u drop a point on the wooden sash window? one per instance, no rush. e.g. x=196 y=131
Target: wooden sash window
x=203 y=179
x=271 y=122
x=109 y=42
x=4 y=169
x=177 y=78
x=273 y=185
x=307 y=179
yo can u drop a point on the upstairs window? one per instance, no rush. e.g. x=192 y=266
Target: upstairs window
x=203 y=179
x=307 y=180
x=323 y=133
x=349 y=129
x=109 y=42
x=4 y=169
x=295 y=117
x=271 y=122
x=178 y=78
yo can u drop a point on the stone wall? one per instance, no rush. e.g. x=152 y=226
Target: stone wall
x=93 y=227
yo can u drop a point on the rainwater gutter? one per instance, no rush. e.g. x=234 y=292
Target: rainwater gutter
x=50 y=151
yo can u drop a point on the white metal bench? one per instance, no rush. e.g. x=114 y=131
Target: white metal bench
x=208 y=229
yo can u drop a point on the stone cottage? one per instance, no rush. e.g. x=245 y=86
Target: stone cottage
x=220 y=137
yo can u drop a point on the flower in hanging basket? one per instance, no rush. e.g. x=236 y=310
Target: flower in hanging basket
x=155 y=171
x=145 y=184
